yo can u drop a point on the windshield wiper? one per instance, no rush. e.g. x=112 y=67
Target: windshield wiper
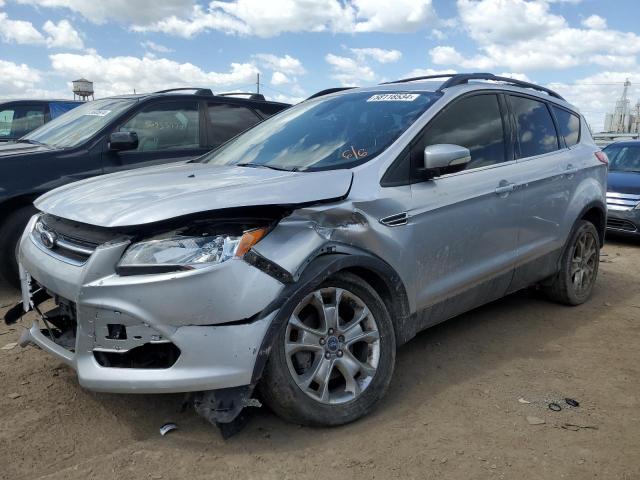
x=271 y=167
x=32 y=142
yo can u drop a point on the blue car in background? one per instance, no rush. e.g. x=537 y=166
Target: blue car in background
x=19 y=117
x=623 y=195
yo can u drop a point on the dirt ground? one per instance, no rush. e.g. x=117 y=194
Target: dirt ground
x=453 y=409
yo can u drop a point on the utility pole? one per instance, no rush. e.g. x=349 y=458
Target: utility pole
x=257 y=83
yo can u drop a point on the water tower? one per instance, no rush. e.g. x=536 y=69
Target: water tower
x=83 y=89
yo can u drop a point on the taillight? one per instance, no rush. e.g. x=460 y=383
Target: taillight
x=602 y=157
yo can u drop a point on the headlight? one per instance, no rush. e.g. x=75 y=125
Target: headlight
x=177 y=252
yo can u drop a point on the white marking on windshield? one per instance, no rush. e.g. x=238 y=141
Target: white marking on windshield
x=98 y=113
x=393 y=97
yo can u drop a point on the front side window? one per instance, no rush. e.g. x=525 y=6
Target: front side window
x=80 y=124
x=475 y=123
x=623 y=158
x=226 y=121
x=568 y=126
x=535 y=128
x=326 y=133
x=19 y=120
x=165 y=126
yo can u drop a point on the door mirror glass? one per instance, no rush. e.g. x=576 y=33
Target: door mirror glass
x=445 y=156
x=120 y=141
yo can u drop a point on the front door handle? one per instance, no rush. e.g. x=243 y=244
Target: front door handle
x=505 y=188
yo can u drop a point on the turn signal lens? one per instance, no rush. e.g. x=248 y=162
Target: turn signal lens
x=248 y=240
x=602 y=157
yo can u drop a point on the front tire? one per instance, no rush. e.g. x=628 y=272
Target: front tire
x=573 y=284
x=333 y=357
x=10 y=233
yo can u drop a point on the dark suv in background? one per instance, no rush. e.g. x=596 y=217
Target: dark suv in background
x=623 y=192
x=113 y=134
x=19 y=117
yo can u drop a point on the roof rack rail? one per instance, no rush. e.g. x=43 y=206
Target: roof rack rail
x=328 y=91
x=251 y=95
x=198 y=90
x=463 y=78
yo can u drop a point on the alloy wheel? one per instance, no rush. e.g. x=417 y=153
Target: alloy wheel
x=332 y=345
x=583 y=263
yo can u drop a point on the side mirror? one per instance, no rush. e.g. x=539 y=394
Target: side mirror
x=120 y=141
x=445 y=157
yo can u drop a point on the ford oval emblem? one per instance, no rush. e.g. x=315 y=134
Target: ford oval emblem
x=48 y=239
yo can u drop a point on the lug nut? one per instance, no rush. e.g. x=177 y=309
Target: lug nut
x=331 y=331
x=341 y=338
x=327 y=355
x=339 y=353
x=322 y=341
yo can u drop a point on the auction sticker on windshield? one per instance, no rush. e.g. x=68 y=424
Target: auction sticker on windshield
x=393 y=97
x=98 y=113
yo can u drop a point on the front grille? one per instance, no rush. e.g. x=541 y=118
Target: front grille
x=622 y=201
x=59 y=244
x=619 y=224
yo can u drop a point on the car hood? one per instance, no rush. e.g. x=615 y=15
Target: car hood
x=7 y=149
x=624 y=182
x=149 y=195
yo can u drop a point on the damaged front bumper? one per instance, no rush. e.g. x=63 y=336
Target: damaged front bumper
x=202 y=324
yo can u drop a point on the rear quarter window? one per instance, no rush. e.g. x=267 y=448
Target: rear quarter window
x=568 y=126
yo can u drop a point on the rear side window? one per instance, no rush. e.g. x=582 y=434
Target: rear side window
x=568 y=125
x=19 y=120
x=162 y=126
x=226 y=121
x=473 y=122
x=536 y=131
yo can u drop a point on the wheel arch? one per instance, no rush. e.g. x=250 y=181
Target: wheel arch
x=373 y=270
x=596 y=213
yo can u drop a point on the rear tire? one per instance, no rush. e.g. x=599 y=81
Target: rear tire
x=10 y=233
x=331 y=372
x=573 y=284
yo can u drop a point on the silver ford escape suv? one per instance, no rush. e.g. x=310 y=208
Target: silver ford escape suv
x=299 y=255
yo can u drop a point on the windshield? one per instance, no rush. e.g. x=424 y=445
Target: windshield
x=623 y=158
x=76 y=126
x=326 y=134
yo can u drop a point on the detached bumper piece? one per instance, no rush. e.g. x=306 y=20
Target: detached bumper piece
x=224 y=408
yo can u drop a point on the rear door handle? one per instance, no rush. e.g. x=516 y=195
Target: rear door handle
x=505 y=188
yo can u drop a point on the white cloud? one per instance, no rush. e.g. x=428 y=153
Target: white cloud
x=595 y=21
x=268 y=19
x=118 y=75
x=397 y=17
x=356 y=68
x=62 y=35
x=279 y=78
x=423 y=72
x=58 y=35
x=17 y=78
x=349 y=71
x=18 y=31
x=286 y=64
x=156 y=47
x=533 y=38
x=378 y=54
x=98 y=11
x=515 y=76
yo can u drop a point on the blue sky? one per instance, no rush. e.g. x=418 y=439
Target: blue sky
x=583 y=48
